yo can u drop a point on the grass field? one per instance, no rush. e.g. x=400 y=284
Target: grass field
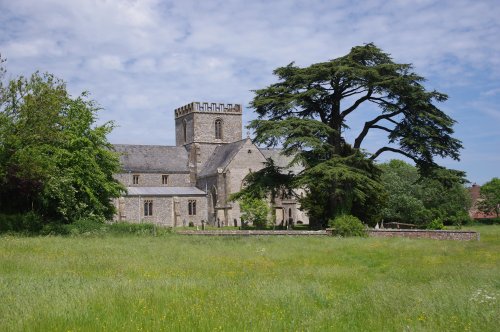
x=179 y=283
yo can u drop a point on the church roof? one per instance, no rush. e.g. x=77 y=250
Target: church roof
x=153 y=158
x=281 y=160
x=164 y=191
x=221 y=157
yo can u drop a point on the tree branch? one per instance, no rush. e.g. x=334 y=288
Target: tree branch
x=356 y=104
x=382 y=128
x=370 y=124
x=353 y=92
x=387 y=148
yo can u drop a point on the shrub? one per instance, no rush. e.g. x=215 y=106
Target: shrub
x=124 y=228
x=436 y=224
x=347 y=225
x=30 y=223
x=254 y=211
x=87 y=226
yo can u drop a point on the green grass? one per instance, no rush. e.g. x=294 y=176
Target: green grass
x=179 y=283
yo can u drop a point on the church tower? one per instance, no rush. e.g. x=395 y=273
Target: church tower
x=202 y=126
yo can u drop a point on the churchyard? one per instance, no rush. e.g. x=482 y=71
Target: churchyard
x=170 y=282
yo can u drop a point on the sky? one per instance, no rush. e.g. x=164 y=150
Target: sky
x=142 y=59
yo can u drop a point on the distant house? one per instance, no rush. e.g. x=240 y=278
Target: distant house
x=474 y=213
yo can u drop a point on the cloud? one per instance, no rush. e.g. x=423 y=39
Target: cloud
x=142 y=59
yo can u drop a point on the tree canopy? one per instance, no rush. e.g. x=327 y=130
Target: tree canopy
x=419 y=200
x=54 y=160
x=490 y=197
x=308 y=110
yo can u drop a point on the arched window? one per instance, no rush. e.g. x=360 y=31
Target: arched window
x=184 y=130
x=218 y=129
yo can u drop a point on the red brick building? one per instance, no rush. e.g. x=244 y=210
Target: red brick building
x=474 y=213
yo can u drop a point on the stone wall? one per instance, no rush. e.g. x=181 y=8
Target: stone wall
x=253 y=232
x=167 y=210
x=204 y=127
x=202 y=153
x=154 y=179
x=427 y=234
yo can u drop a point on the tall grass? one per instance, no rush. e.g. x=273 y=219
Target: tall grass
x=179 y=283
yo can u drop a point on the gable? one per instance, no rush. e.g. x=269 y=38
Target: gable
x=221 y=157
x=247 y=157
x=281 y=160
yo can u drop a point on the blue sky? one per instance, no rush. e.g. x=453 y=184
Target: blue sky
x=142 y=59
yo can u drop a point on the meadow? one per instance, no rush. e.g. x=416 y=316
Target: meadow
x=180 y=283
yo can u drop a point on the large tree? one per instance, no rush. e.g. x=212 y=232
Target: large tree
x=308 y=111
x=54 y=160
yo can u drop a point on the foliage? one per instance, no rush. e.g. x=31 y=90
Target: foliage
x=490 y=197
x=347 y=225
x=307 y=112
x=418 y=200
x=404 y=202
x=254 y=211
x=435 y=224
x=54 y=160
x=343 y=185
x=28 y=223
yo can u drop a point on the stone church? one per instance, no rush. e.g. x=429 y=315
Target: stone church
x=190 y=183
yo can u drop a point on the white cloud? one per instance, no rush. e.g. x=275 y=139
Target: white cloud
x=154 y=55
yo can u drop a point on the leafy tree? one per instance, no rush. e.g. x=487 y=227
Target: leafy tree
x=490 y=197
x=54 y=160
x=255 y=211
x=421 y=200
x=404 y=203
x=446 y=197
x=307 y=112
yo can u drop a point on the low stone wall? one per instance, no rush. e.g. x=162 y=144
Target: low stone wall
x=254 y=232
x=410 y=233
x=426 y=234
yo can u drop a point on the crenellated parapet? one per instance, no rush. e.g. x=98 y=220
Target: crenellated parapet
x=207 y=107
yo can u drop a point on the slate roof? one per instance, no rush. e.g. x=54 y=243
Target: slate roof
x=281 y=160
x=221 y=157
x=164 y=191
x=153 y=158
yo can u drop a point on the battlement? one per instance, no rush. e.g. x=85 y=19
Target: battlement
x=207 y=107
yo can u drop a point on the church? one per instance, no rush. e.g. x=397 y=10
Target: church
x=189 y=184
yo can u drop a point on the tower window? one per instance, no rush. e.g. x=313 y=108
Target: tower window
x=135 y=179
x=218 y=129
x=192 y=207
x=164 y=179
x=148 y=208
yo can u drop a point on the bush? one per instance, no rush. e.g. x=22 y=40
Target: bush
x=86 y=226
x=436 y=224
x=254 y=211
x=124 y=228
x=30 y=223
x=347 y=225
